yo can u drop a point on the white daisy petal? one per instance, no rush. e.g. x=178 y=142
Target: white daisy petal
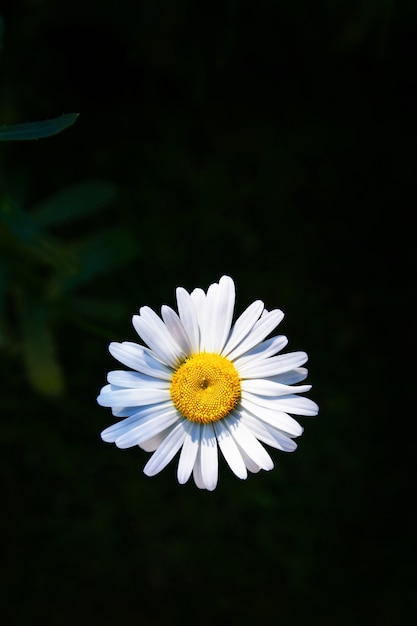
x=166 y=451
x=140 y=359
x=293 y=376
x=249 y=443
x=263 y=350
x=120 y=411
x=268 y=434
x=131 y=380
x=188 y=316
x=202 y=382
x=198 y=298
x=133 y=397
x=150 y=445
x=272 y=366
x=291 y=403
x=261 y=329
x=298 y=405
x=147 y=428
x=189 y=451
x=220 y=307
x=251 y=465
x=204 y=314
x=156 y=335
x=230 y=449
x=176 y=329
x=243 y=326
x=105 y=389
x=124 y=411
x=278 y=419
x=209 y=457
x=111 y=433
x=197 y=475
x=266 y=387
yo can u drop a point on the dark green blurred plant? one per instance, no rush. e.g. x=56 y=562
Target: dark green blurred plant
x=37 y=130
x=41 y=275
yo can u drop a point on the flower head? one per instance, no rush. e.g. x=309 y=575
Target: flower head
x=203 y=383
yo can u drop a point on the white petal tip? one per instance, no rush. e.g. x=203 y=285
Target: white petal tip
x=107 y=437
x=114 y=347
x=290 y=448
x=103 y=400
x=124 y=446
x=313 y=409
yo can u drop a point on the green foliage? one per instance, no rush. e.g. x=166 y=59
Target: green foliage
x=35 y=241
x=37 y=130
x=39 y=348
x=31 y=255
x=74 y=202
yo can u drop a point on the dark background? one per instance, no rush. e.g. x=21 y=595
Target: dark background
x=272 y=141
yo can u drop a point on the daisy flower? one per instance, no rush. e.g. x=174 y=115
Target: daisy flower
x=203 y=383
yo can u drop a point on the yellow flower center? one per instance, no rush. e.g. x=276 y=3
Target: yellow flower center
x=205 y=388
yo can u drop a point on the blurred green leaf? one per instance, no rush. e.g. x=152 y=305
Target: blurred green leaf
x=37 y=130
x=101 y=253
x=74 y=202
x=39 y=350
x=19 y=223
x=28 y=232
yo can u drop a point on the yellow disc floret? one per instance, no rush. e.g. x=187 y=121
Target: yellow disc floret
x=205 y=388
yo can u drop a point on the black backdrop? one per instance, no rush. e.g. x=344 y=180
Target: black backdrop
x=272 y=141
